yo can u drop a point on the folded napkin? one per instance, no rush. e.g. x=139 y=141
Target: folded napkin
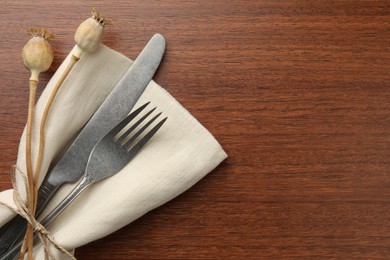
x=178 y=156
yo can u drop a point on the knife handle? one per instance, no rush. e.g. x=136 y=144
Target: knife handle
x=13 y=231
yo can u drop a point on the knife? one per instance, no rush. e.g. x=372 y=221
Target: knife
x=72 y=164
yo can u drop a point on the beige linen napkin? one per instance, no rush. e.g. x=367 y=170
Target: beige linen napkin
x=176 y=158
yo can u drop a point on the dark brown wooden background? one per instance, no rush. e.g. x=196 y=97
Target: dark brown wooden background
x=297 y=93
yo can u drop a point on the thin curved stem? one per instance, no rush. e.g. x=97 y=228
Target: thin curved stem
x=49 y=103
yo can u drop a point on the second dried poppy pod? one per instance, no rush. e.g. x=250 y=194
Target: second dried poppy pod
x=89 y=34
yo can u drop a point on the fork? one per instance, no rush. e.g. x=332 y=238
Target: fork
x=114 y=151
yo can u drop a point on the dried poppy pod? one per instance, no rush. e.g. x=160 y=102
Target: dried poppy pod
x=37 y=53
x=89 y=34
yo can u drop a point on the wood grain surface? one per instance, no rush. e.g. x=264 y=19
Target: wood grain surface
x=296 y=92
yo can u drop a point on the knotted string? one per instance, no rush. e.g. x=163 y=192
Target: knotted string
x=22 y=210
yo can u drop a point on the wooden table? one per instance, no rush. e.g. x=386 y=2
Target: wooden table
x=297 y=93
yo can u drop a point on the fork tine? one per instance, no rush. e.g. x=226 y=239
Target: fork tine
x=113 y=132
x=127 y=132
x=128 y=141
x=134 y=149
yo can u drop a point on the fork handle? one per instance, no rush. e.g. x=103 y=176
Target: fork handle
x=84 y=183
x=13 y=231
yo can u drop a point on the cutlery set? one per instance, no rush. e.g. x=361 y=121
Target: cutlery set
x=107 y=143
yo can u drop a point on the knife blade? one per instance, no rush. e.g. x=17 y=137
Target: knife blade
x=72 y=164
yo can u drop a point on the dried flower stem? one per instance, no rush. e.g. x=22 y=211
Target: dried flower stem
x=49 y=103
x=31 y=104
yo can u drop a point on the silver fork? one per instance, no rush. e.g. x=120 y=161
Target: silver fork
x=108 y=157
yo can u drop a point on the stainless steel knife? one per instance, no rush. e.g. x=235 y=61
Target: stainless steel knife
x=71 y=166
